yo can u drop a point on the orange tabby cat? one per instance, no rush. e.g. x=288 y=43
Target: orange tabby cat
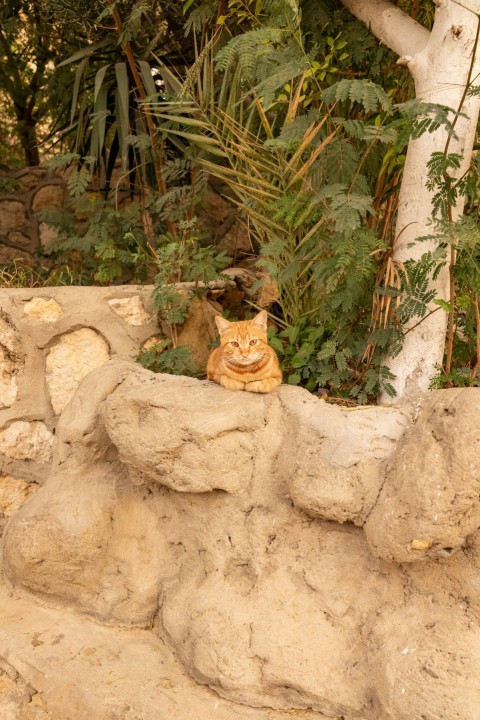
x=244 y=360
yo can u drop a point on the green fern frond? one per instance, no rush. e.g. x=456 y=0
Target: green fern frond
x=365 y=92
x=246 y=50
x=363 y=131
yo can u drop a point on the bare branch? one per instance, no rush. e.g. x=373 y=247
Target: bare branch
x=393 y=27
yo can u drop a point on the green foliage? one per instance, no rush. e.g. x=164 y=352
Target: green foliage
x=163 y=358
x=30 y=90
x=102 y=243
x=298 y=155
x=180 y=259
x=370 y=96
x=184 y=259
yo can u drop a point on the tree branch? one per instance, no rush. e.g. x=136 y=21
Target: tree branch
x=393 y=27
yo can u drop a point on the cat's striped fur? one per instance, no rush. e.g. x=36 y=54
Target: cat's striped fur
x=244 y=360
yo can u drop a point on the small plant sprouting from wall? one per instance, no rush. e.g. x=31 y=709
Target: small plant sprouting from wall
x=181 y=258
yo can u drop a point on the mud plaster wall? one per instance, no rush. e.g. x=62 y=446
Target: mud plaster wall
x=291 y=554
x=50 y=338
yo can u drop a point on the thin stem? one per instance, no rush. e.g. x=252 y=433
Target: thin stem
x=451 y=314
x=477 y=320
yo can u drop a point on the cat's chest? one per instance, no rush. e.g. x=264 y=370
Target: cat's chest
x=248 y=371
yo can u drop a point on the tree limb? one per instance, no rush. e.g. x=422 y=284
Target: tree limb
x=393 y=27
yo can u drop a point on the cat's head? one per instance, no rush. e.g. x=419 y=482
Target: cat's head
x=243 y=342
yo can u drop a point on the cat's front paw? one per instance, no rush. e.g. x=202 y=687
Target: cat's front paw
x=263 y=386
x=230 y=383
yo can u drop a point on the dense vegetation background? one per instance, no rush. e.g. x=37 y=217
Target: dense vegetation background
x=301 y=119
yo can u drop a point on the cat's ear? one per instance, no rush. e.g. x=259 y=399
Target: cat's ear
x=261 y=320
x=222 y=324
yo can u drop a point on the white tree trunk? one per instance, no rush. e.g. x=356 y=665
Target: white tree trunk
x=440 y=63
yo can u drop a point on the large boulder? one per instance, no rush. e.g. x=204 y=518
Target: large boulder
x=429 y=502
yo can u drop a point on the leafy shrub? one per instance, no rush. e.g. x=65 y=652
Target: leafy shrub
x=163 y=358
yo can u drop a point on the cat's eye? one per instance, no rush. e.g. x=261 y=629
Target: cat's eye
x=253 y=342
x=234 y=343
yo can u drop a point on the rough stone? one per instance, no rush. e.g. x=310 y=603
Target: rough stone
x=13 y=215
x=29 y=178
x=149 y=519
x=69 y=360
x=429 y=502
x=336 y=458
x=27 y=441
x=45 y=309
x=48 y=235
x=11 y=360
x=151 y=341
x=193 y=451
x=48 y=196
x=13 y=493
x=20 y=240
x=18 y=701
x=131 y=309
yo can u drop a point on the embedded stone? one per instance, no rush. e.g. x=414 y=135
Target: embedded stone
x=14 y=492
x=131 y=310
x=73 y=356
x=11 y=359
x=23 y=440
x=48 y=234
x=199 y=330
x=13 y=214
x=29 y=178
x=46 y=310
x=48 y=196
x=20 y=240
x=152 y=341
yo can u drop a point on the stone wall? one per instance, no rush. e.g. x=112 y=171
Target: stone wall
x=29 y=191
x=50 y=338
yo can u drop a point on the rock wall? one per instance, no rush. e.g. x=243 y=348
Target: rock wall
x=293 y=555
x=26 y=192
x=31 y=190
x=50 y=338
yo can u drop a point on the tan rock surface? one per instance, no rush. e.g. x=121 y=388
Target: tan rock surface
x=44 y=309
x=11 y=360
x=199 y=330
x=429 y=503
x=72 y=357
x=264 y=603
x=130 y=309
x=23 y=440
x=66 y=667
x=48 y=196
x=13 y=215
x=338 y=456
x=48 y=235
x=18 y=701
x=13 y=493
